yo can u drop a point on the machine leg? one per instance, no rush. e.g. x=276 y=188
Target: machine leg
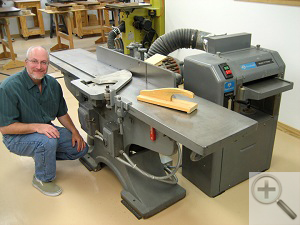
x=142 y=195
x=145 y=196
x=90 y=163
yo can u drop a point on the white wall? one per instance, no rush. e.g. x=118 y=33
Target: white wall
x=275 y=27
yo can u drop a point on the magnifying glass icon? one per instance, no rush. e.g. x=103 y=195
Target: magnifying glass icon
x=267 y=189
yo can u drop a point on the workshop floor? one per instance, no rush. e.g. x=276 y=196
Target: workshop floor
x=91 y=198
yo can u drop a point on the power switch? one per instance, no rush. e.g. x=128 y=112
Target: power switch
x=226 y=70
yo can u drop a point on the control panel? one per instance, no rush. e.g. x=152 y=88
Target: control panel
x=226 y=70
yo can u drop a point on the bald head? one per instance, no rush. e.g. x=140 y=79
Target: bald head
x=36 y=49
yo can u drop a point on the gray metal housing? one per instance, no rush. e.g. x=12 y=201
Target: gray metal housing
x=253 y=89
x=117 y=122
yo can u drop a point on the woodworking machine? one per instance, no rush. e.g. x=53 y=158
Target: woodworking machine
x=129 y=136
x=140 y=23
x=245 y=79
x=229 y=134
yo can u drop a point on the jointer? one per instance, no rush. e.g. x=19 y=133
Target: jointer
x=118 y=126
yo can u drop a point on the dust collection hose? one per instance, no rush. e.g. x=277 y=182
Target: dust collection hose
x=113 y=34
x=181 y=38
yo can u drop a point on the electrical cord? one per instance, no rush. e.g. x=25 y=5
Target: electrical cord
x=166 y=179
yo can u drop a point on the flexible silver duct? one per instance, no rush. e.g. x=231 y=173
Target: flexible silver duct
x=181 y=38
x=113 y=34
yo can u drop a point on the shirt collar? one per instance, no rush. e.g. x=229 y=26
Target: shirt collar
x=28 y=81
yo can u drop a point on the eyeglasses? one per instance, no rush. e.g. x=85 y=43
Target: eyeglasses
x=36 y=62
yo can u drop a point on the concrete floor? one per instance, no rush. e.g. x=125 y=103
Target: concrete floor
x=94 y=197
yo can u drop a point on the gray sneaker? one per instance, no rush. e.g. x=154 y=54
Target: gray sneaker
x=47 y=188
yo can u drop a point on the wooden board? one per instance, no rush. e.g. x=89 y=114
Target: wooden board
x=156 y=59
x=164 y=97
x=279 y=2
x=288 y=129
x=87 y=3
x=55 y=11
x=127 y=6
x=25 y=1
x=60 y=5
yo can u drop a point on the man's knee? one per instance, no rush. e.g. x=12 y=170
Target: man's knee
x=29 y=144
x=48 y=143
x=81 y=153
x=85 y=150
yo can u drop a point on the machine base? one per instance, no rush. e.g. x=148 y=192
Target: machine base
x=143 y=196
x=149 y=196
x=90 y=163
x=137 y=215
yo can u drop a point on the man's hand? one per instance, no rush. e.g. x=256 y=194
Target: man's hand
x=49 y=130
x=76 y=138
x=29 y=128
x=66 y=121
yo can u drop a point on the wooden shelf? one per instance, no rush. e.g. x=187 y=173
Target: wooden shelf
x=34 y=5
x=80 y=21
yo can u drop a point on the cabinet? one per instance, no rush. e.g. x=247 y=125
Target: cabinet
x=34 y=6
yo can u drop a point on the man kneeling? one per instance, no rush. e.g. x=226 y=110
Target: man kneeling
x=29 y=101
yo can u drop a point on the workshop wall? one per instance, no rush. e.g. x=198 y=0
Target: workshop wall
x=274 y=27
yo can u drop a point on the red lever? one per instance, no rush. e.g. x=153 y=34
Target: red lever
x=152 y=134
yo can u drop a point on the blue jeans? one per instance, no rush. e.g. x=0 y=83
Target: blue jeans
x=44 y=150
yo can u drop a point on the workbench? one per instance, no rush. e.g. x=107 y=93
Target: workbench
x=65 y=11
x=6 y=42
x=34 y=6
x=115 y=13
x=81 y=23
